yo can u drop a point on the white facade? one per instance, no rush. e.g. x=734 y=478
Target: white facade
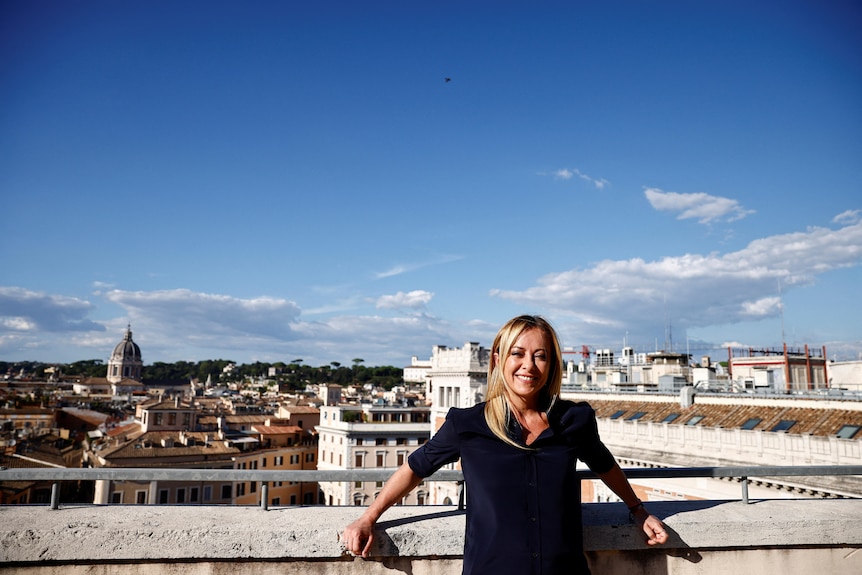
x=458 y=378
x=369 y=437
x=417 y=370
x=845 y=375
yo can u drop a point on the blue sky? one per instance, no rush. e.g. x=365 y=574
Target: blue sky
x=281 y=180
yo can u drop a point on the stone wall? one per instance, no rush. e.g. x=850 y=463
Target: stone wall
x=791 y=537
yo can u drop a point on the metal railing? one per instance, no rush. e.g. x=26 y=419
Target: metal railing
x=744 y=473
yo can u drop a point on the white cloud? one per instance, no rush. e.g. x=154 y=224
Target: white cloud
x=847 y=217
x=704 y=207
x=567 y=174
x=695 y=290
x=764 y=307
x=415 y=299
x=26 y=310
x=208 y=315
x=409 y=267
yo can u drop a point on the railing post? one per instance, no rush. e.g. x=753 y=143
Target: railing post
x=55 y=496
x=744 y=489
x=264 y=495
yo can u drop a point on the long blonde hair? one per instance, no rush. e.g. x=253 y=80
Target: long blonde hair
x=497 y=411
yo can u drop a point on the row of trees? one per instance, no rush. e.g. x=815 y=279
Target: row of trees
x=293 y=375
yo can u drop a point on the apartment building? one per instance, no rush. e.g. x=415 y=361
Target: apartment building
x=369 y=437
x=283 y=447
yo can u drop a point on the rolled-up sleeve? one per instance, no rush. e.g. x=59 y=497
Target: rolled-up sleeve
x=593 y=452
x=441 y=449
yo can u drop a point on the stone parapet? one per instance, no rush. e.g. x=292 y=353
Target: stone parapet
x=775 y=536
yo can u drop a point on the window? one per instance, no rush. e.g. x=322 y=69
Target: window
x=163 y=496
x=309 y=457
x=783 y=425
x=208 y=492
x=116 y=497
x=618 y=414
x=380 y=459
x=226 y=491
x=695 y=420
x=193 y=494
x=751 y=423
x=181 y=495
x=360 y=459
x=187 y=420
x=159 y=418
x=636 y=416
x=172 y=418
x=401 y=441
x=380 y=441
x=670 y=418
x=263 y=462
x=276 y=501
x=848 y=431
x=141 y=497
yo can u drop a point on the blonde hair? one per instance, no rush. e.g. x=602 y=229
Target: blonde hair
x=497 y=410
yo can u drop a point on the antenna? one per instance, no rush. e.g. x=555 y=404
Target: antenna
x=781 y=311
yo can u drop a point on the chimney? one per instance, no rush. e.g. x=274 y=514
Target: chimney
x=686 y=396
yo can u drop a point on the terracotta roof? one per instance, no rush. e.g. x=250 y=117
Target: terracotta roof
x=277 y=429
x=149 y=446
x=297 y=409
x=815 y=421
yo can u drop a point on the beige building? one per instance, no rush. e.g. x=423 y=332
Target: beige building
x=284 y=447
x=160 y=437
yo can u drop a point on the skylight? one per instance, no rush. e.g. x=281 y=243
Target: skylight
x=751 y=423
x=784 y=425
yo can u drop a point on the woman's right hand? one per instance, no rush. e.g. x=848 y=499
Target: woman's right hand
x=358 y=537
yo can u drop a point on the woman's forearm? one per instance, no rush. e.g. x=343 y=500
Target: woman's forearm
x=396 y=487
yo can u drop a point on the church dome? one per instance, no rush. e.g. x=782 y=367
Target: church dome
x=127 y=348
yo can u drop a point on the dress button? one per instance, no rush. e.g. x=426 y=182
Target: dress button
x=535 y=555
x=532 y=518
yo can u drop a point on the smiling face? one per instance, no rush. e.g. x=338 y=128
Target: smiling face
x=525 y=369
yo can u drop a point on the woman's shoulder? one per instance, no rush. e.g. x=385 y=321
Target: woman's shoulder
x=572 y=414
x=468 y=418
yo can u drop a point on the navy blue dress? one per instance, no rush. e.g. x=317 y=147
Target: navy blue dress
x=523 y=505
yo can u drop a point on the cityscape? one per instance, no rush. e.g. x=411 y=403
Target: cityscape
x=119 y=421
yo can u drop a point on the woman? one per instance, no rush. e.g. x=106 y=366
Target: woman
x=518 y=452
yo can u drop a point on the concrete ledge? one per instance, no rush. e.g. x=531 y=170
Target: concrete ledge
x=732 y=537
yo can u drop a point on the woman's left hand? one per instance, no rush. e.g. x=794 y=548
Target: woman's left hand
x=653 y=528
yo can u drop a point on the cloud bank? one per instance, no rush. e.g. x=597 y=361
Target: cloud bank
x=595 y=305
x=697 y=290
